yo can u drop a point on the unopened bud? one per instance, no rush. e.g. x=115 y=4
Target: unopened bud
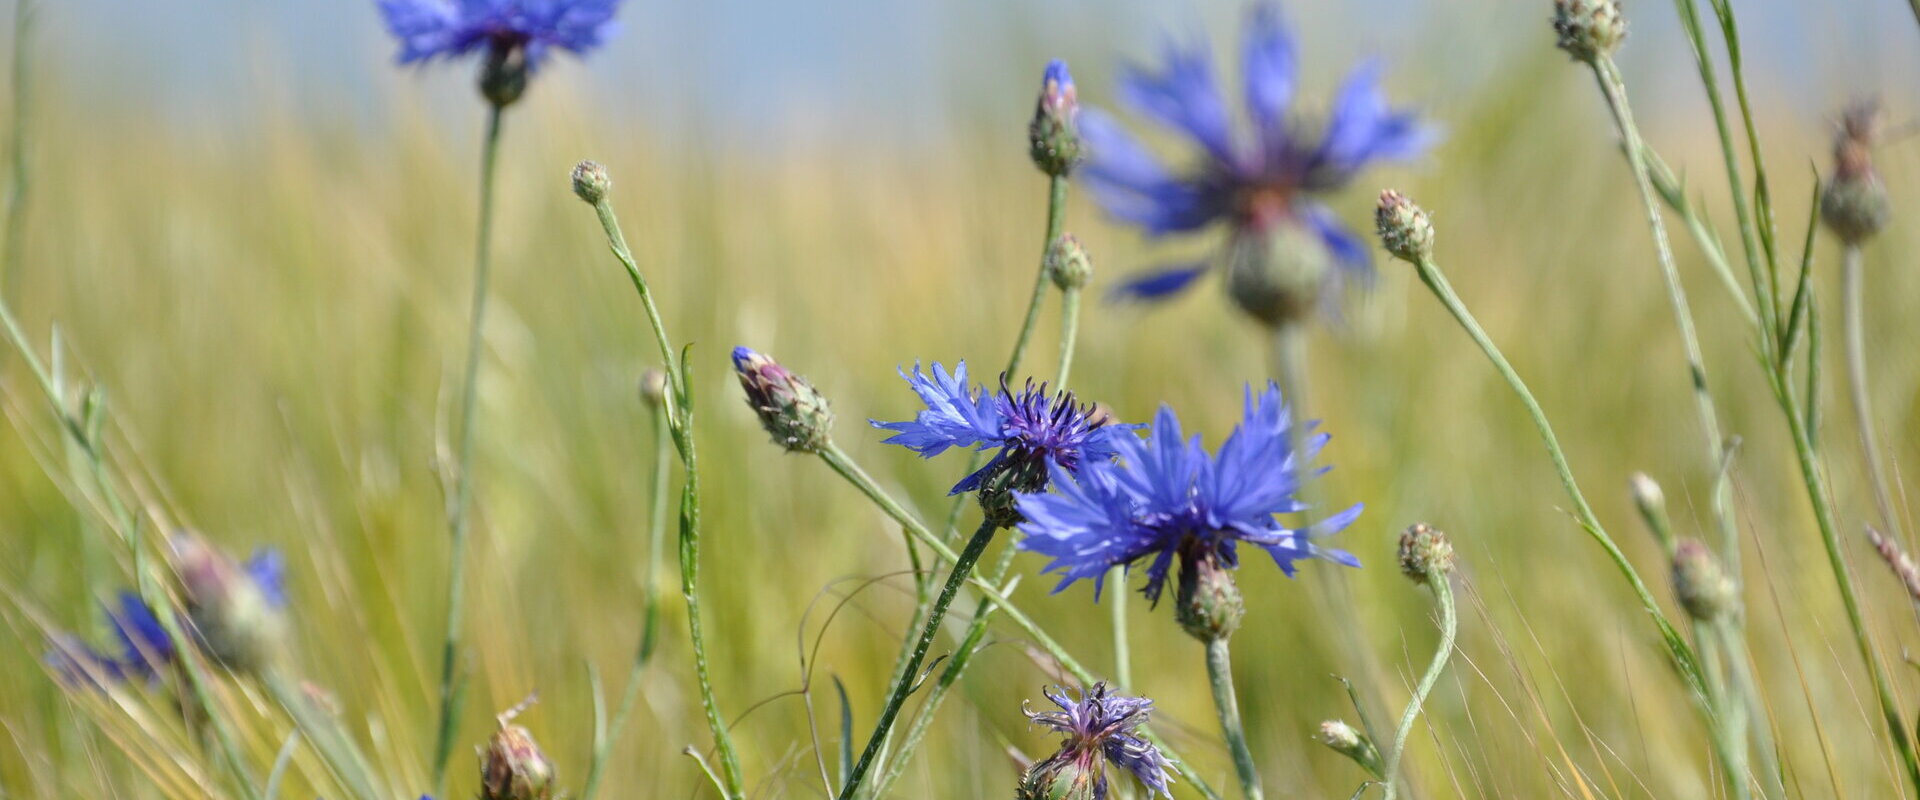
x=236 y=611
x=1425 y=553
x=1588 y=29
x=1054 y=135
x=1341 y=738
x=1277 y=273
x=1853 y=204
x=503 y=77
x=1067 y=263
x=1207 y=604
x=788 y=406
x=653 y=387
x=1705 y=589
x=1404 y=228
x=1064 y=776
x=591 y=182
x=512 y=767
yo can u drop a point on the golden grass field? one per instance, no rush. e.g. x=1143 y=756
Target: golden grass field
x=276 y=319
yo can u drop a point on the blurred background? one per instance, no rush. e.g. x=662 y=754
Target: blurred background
x=254 y=233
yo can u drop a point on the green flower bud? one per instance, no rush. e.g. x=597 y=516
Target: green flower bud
x=503 y=77
x=591 y=182
x=1705 y=589
x=1341 y=738
x=1062 y=777
x=1067 y=263
x=1278 y=273
x=1425 y=553
x=1588 y=29
x=1207 y=604
x=1404 y=228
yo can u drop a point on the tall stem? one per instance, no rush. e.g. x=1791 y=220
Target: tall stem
x=1853 y=311
x=1220 y=677
x=1677 y=647
x=23 y=13
x=1449 y=630
x=460 y=513
x=962 y=568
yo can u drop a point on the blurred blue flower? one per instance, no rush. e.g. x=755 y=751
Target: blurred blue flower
x=433 y=29
x=144 y=646
x=1165 y=496
x=1035 y=432
x=1097 y=724
x=1255 y=183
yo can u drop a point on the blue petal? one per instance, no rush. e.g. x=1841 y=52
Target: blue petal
x=144 y=646
x=957 y=415
x=1363 y=128
x=268 y=569
x=1158 y=283
x=1131 y=184
x=1270 y=67
x=1350 y=251
x=1183 y=95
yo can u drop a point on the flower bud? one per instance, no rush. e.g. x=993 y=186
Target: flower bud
x=591 y=182
x=1054 y=135
x=1702 y=584
x=1278 y=274
x=1853 y=204
x=1062 y=776
x=789 y=407
x=1207 y=603
x=1589 y=29
x=1404 y=228
x=1067 y=263
x=653 y=387
x=512 y=767
x=503 y=77
x=1425 y=553
x=1341 y=738
x=1647 y=496
x=236 y=612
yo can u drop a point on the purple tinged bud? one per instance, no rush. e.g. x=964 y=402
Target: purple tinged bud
x=1054 y=134
x=1425 y=553
x=591 y=183
x=789 y=407
x=1853 y=204
x=1405 y=229
x=235 y=612
x=512 y=766
x=1702 y=584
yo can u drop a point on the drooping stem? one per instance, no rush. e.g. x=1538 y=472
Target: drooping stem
x=1449 y=630
x=1227 y=704
x=1853 y=313
x=1677 y=647
x=650 y=592
x=459 y=511
x=906 y=683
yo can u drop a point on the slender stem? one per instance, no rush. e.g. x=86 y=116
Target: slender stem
x=1676 y=646
x=846 y=468
x=1220 y=677
x=1069 y=336
x=1449 y=631
x=23 y=15
x=1056 y=224
x=337 y=750
x=676 y=381
x=650 y=614
x=1853 y=313
x=460 y=512
x=962 y=569
x=1740 y=674
x=1724 y=713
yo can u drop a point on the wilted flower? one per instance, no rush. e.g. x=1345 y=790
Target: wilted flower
x=1099 y=728
x=1166 y=497
x=1036 y=433
x=791 y=410
x=517 y=35
x=1286 y=251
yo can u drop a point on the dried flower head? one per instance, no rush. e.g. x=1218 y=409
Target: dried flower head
x=788 y=406
x=1589 y=29
x=512 y=766
x=1099 y=727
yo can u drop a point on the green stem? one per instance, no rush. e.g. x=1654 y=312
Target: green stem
x=1069 y=336
x=962 y=569
x=1677 y=647
x=337 y=750
x=1220 y=677
x=1449 y=631
x=451 y=684
x=846 y=468
x=676 y=380
x=23 y=14
x=650 y=614
x=1853 y=314
x=1724 y=713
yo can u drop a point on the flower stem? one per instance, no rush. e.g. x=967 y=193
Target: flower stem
x=460 y=512
x=650 y=614
x=1449 y=631
x=906 y=683
x=1677 y=648
x=23 y=16
x=1853 y=313
x=1220 y=677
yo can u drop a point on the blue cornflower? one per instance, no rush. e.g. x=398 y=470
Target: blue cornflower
x=1165 y=497
x=1286 y=251
x=432 y=29
x=1100 y=730
x=1036 y=433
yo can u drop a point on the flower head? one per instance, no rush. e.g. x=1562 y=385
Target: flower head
x=790 y=409
x=1166 y=497
x=1037 y=434
x=446 y=29
x=238 y=609
x=1099 y=727
x=1287 y=250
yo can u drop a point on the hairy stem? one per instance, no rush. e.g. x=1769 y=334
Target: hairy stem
x=1220 y=678
x=460 y=511
x=1449 y=631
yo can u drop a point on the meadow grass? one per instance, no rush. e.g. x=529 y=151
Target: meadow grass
x=276 y=320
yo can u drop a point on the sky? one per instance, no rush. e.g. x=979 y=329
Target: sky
x=848 y=67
